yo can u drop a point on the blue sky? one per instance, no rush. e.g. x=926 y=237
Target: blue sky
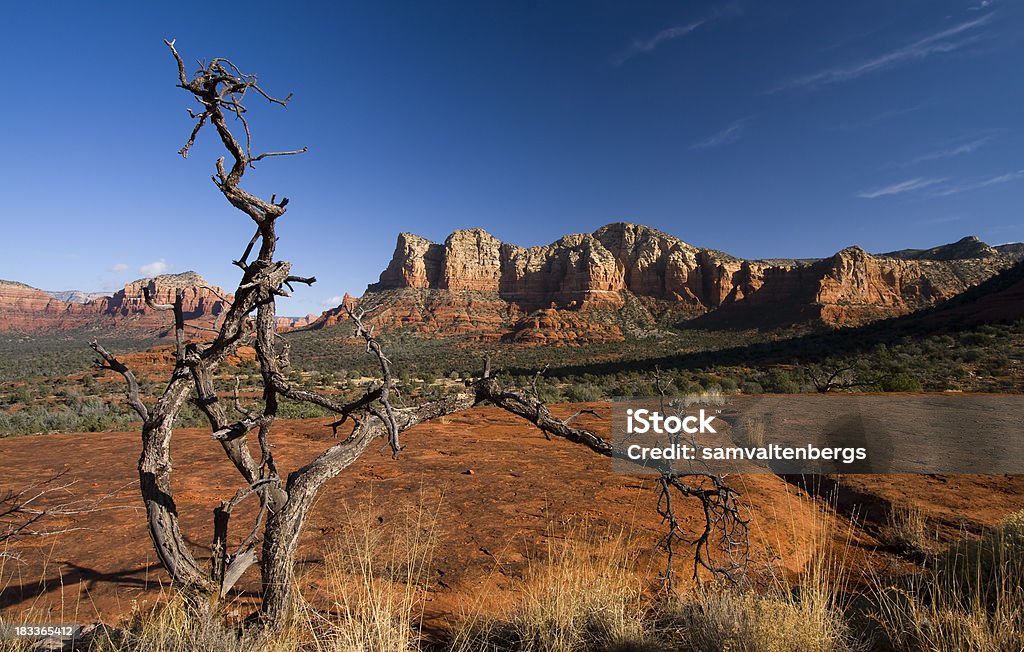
x=762 y=129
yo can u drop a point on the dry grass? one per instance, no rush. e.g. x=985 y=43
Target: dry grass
x=13 y=573
x=585 y=595
x=587 y=592
x=377 y=577
x=374 y=579
x=751 y=433
x=973 y=599
x=720 y=619
x=175 y=626
x=809 y=615
x=906 y=530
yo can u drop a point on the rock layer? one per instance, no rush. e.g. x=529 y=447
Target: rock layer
x=623 y=279
x=476 y=284
x=26 y=309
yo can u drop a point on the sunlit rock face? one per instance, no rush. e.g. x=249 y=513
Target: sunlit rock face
x=583 y=288
x=23 y=308
x=564 y=292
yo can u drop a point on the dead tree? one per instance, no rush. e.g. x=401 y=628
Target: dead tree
x=220 y=89
x=830 y=377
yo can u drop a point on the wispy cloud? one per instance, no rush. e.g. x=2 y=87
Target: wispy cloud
x=119 y=268
x=154 y=268
x=943 y=191
x=650 y=44
x=330 y=302
x=643 y=46
x=984 y=4
x=948 y=40
x=899 y=188
x=728 y=135
x=950 y=152
x=978 y=185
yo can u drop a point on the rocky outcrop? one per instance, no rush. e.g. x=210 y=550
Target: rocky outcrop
x=969 y=247
x=26 y=309
x=201 y=302
x=416 y=263
x=472 y=262
x=1014 y=250
x=853 y=287
x=856 y=287
x=476 y=284
x=337 y=314
x=285 y=324
x=621 y=280
x=562 y=327
x=76 y=296
x=580 y=270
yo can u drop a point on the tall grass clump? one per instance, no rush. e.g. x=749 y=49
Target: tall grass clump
x=370 y=598
x=751 y=433
x=810 y=617
x=585 y=595
x=177 y=626
x=971 y=599
x=770 y=611
x=906 y=529
x=375 y=578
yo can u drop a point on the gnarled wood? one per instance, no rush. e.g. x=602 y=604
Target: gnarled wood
x=220 y=87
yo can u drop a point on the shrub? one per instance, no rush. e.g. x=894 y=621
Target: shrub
x=751 y=387
x=584 y=392
x=900 y=382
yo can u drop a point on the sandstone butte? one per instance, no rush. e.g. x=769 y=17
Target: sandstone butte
x=592 y=287
x=26 y=309
x=23 y=308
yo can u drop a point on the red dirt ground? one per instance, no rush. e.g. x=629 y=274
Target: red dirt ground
x=499 y=488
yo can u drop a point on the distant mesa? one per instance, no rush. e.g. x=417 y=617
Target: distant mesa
x=285 y=324
x=621 y=281
x=630 y=280
x=77 y=296
x=24 y=308
x=969 y=247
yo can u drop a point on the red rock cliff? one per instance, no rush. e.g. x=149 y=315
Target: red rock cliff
x=474 y=281
x=23 y=308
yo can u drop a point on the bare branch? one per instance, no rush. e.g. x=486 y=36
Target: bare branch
x=112 y=363
x=373 y=346
x=181 y=64
x=724 y=528
x=22 y=511
x=195 y=132
x=580 y=413
x=268 y=154
x=147 y=296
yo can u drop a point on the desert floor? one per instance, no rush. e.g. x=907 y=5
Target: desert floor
x=491 y=489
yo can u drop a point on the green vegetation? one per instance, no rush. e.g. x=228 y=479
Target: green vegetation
x=55 y=355
x=50 y=387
